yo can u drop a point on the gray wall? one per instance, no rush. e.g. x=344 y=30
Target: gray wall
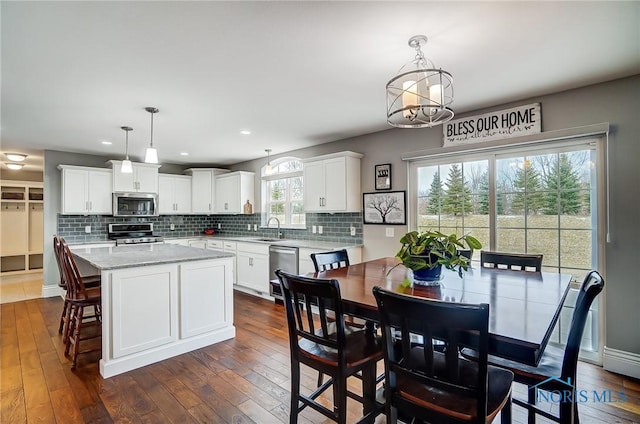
x=616 y=102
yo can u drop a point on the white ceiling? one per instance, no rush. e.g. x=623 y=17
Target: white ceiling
x=294 y=73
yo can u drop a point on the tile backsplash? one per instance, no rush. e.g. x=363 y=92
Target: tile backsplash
x=336 y=227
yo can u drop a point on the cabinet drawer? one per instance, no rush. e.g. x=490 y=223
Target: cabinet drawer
x=230 y=245
x=215 y=244
x=261 y=249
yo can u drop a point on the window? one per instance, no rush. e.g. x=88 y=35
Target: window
x=540 y=199
x=283 y=193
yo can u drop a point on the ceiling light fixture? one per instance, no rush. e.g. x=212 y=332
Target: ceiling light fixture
x=152 y=154
x=245 y=132
x=184 y=154
x=16 y=157
x=127 y=167
x=267 y=169
x=106 y=142
x=14 y=166
x=419 y=95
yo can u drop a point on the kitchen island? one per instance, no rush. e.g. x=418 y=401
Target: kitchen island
x=159 y=301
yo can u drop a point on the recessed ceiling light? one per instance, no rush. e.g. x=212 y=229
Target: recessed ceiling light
x=16 y=157
x=245 y=132
x=15 y=166
x=106 y=142
x=184 y=154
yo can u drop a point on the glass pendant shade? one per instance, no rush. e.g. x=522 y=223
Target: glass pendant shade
x=126 y=167
x=268 y=169
x=419 y=95
x=151 y=156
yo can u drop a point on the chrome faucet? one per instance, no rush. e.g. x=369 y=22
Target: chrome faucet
x=278 y=234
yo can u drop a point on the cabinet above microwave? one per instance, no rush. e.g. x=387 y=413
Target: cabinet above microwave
x=143 y=179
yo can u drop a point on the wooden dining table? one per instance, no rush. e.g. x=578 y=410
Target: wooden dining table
x=523 y=306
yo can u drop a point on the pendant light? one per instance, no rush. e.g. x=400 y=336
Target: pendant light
x=267 y=169
x=152 y=154
x=419 y=95
x=127 y=167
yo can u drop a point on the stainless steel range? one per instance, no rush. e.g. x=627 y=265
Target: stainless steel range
x=141 y=232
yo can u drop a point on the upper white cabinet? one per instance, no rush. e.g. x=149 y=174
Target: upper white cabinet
x=143 y=179
x=332 y=183
x=233 y=190
x=174 y=195
x=203 y=189
x=86 y=191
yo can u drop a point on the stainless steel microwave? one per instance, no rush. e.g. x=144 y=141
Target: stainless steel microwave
x=135 y=204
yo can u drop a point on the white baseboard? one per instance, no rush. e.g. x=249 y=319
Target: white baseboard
x=52 y=291
x=621 y=362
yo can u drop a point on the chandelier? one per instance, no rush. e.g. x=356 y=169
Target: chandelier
x=419 y=95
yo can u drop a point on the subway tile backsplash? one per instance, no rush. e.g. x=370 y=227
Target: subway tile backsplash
x=336 y=227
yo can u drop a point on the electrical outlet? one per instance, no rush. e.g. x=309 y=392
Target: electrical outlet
x=389 y=232
x=319 y=229
x=313 y=229
x=353 y=231
x=219 y=226
x=87 y=229
x=255 y=227
x=248 y=227
x=172 y=227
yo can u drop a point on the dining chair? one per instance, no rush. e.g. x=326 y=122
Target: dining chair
x=513 y=261
x=89 y=281
x=426 y=384
x=336 y=353
x=330 y=260
x=557 y=369
x=79 y=297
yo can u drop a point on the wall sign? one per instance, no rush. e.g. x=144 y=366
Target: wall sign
x=383 y=176
x=515 y=122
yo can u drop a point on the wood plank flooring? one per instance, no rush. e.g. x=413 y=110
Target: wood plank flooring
x=244 y=380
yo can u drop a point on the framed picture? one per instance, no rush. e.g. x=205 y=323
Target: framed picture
x=383 y=176
x=388 y=208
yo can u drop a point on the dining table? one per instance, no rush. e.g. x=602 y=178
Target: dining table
x=524 y=306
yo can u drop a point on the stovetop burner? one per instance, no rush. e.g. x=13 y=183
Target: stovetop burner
x=133 y=233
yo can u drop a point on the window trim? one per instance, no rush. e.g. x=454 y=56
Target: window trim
x=265 y=178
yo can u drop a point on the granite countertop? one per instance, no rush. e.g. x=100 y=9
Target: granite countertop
x=144 y=254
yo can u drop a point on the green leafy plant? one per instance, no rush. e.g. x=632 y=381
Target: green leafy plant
x=429 y=249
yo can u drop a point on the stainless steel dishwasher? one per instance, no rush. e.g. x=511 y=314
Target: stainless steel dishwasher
x=284 y=258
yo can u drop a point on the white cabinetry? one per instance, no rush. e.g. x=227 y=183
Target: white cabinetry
x=143 y=179
x=305 y=264
x=253 y=266
x=233 y=190
x=203 y=189
x=174 y=196
x=332 y=183
x=21 y=226
x=86 y=191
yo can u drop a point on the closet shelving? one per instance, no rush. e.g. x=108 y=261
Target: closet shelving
x=21 y=225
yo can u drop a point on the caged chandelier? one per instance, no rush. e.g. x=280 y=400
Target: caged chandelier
x=419 y=95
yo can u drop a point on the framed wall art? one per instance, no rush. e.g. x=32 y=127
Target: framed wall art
x=388 y=208
x=383 y=176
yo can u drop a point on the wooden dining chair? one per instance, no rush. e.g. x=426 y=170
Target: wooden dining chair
x=513 y=261
x=89 y=281
x=79 y=297
x=426 y=384
x=336 y=353
x=557 y=369
x=330 y=260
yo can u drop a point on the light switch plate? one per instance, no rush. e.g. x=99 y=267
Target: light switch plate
x=389 y=232
x=353 y=231
x=219 y=226
x=248 y=227
x=313 y=229
x=87 y=229
x=255 y=227
x=319 y=229
x=172 y=227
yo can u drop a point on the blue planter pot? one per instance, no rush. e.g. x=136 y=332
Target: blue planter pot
x=428 y=276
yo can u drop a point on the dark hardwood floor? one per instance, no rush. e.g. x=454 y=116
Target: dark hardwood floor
x=244 y=380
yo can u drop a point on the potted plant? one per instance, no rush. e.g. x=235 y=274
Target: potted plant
x=425 y=253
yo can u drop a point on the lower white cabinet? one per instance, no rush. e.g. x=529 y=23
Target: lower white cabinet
x=253 y=266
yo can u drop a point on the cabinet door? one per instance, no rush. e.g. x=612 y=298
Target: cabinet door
x=182 y=194
x=147 y=178
x=335 y=183
x=313 y=186
x=75 y=186
x=100 y=192
x=226 y=189
x=166 y=202
x=122 y=182
x=202 y=192
x=253 y=271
